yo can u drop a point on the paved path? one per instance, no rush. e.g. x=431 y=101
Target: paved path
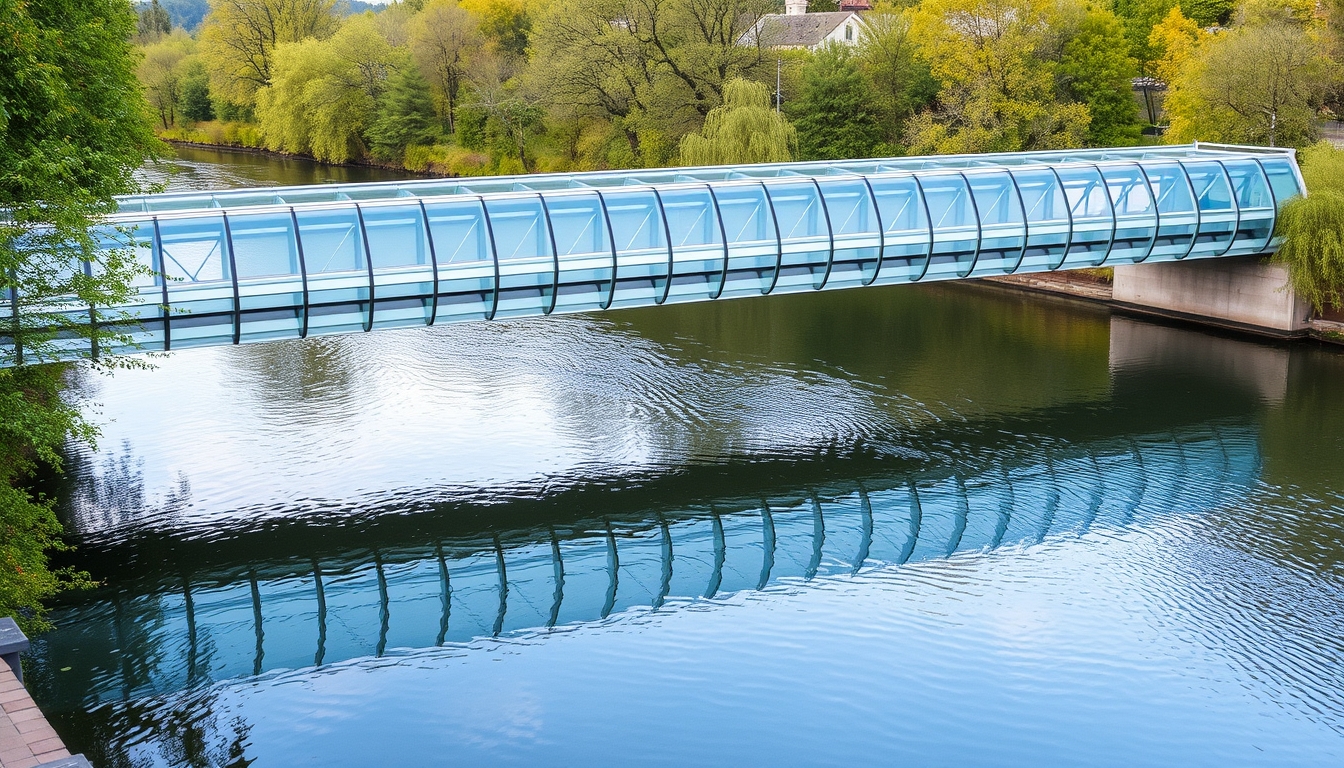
x=26 y=738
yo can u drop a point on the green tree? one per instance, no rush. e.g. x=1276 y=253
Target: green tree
x=239 y=38
x=992 y=58
x=1313 y=229
x=196 y=105
x=324 y=93
x=657 y=73
x=153 y=22
x=1208 y=13
x=745 y=129
x=444 y=39
x=405 y=115
x=901 y=81
x=833 y=115
x=1255 y=84
x=1097 y=70
x=162 y=72
x=73 y=129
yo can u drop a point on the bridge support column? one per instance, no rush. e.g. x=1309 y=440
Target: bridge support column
x=1242 y=292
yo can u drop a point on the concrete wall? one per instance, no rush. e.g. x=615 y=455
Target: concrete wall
x=1242 y=292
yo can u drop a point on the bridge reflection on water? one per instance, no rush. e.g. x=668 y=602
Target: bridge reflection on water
x=243 y=615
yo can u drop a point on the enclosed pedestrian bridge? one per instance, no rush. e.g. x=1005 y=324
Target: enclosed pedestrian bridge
x=285 y=602
x=289 y=262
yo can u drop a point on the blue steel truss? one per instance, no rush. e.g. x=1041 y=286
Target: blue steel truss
x=289 y=262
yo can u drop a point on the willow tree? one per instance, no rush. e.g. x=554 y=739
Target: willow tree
x=239 y=38
x=744 y=129
x=1312 y=228
x=73 y=129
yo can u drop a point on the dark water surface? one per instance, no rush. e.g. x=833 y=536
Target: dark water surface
x=931 y=526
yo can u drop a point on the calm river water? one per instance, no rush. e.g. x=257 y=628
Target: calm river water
x=939 y=525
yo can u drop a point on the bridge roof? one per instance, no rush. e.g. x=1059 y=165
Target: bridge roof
x=440 y=187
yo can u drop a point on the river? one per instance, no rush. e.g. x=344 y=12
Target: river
x=933 y=525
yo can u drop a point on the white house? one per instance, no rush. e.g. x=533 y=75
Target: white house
x=796 y=28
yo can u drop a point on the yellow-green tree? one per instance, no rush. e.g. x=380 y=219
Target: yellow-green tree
x=444 y=39
x=1258 y=83
x=163 y=72
x=744 y=129
x=324 y=93
x=995 y=63
x=239 y=38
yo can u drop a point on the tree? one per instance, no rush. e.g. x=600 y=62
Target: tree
x=1208 y=13
x=405 y=115
x=239 y=38
x=196 y=105
x=1313 y=229
x=162 y=71
x=443 y=40
x=745 y=129
x=833 y=115
x=1255 y=84
x=1097 y=70
x=998 y=81
x=325 y=93
x=153 y=22
x=656 y=71
x=505 y=23
x=901 y=81
x=73 y=130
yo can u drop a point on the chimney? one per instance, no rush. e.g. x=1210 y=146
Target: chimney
x=795 y=7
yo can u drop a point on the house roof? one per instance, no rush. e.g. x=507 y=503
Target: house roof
x=803 y=29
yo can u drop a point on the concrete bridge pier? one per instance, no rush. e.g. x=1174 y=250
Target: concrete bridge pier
x=1243 y=293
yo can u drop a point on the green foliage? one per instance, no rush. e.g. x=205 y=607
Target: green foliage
x=405 y=115
x=73 y=129
x=1312 y=228
x=833 y=116
x=471 y=122
x=995 y=62
x=1096 y=69
x=901 y=83
x=153 y=22
x=1259 y=83
x=240 y=37
x=744 y=130
x=195 y=104
x=1208 y=13
x=34 y=424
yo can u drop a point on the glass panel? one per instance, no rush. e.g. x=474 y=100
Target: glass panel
x=403 y=272
x=526 y=265
x=956 y=230
x=753 y=245
x=697 y=244
x=1002 y=234
x=858 y=240
x=1256 y=203
x=584 y=248
x=1178 y=219
x=643 y=260
x=270 y=279
x=338 y=278
x=1282 y=178
x=1093 y=219
x=1048 y=223
x=195 y=259
x=1136 y=215
x=906 y=241
x=1217 y=210
x=805 y=236
x=466 y=268
x=144 y=311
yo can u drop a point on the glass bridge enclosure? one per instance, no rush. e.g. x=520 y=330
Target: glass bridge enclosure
x=289 y=262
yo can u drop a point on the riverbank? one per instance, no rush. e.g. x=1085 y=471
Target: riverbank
x=1084 y=286
x=263 y=152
